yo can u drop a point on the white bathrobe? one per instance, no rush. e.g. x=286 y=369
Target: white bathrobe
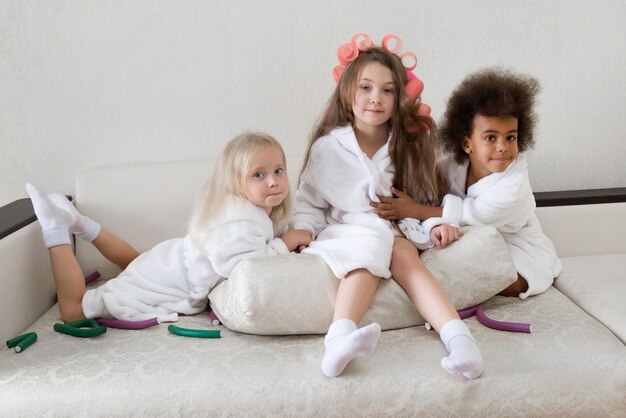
x=333 y=203
x=176 y=276
x=506 y=202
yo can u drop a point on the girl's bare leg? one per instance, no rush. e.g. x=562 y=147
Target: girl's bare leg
x=114 y=249
x=344 y=342
x=433 y=303
x=355 y=295
x=424 y=290
x=70 y=282
x=57 y=217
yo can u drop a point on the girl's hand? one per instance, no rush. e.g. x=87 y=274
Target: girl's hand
x=442 y=235
x=296 y=238
x=394 y=208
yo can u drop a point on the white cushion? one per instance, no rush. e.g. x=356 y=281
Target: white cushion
x=295 y=293
x=598 y=285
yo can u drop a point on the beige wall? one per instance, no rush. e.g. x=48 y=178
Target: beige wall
x=88 y=83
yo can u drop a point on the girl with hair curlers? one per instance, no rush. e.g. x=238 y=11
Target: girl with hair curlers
x=374 y=135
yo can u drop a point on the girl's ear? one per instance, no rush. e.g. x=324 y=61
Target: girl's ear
x=466 y=145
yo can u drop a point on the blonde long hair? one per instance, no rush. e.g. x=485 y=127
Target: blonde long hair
x=229 y=179
x=413 y=145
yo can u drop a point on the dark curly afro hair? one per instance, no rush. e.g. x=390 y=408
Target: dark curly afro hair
x=489 y=92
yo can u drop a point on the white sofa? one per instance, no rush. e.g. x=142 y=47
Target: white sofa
x=572 y=364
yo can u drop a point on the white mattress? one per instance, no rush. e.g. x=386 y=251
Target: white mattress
x=570 y=365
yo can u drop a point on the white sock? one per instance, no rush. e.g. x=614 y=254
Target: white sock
x=55 y=222
x=465 y=357
x=344 y=342
x=82 y=226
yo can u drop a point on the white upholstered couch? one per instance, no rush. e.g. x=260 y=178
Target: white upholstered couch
x=572 y=364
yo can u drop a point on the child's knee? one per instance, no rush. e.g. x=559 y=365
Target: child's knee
x=404 y=251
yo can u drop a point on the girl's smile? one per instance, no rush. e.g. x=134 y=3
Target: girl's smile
x=492 y=147
x=374 y=102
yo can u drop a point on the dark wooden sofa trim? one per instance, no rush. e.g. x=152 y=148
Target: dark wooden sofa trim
x=18 y=214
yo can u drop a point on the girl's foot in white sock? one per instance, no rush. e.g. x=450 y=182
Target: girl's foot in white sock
x=82 y=226
x=344 y=342
x=465 y=357
x=55 y=222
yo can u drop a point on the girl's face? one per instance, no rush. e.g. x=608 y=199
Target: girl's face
x=492 y=147
x=266 y=180
x=374 y=102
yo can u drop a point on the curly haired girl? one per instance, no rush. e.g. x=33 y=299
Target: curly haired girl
x=488 y=121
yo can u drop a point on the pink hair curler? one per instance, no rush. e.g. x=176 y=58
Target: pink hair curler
x=337 y=71
x=423 y=110
x=92 y=277
x=346 y=53
x=362 y=41
x=414 y=88
x=123 y=324
x=411 y=58
x=389 y=41
x=500 y=325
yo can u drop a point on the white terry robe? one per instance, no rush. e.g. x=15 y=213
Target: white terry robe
x=176 y=276
x=506 y=202
x=333 y=203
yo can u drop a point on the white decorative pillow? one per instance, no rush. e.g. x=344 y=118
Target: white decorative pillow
x=295 y=293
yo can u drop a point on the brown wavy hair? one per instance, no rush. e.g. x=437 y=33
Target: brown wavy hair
x=413 y=144
x=489 y=92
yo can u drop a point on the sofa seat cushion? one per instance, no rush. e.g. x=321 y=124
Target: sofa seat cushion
x=152 y=372
x=295 y=293
x=598 y=285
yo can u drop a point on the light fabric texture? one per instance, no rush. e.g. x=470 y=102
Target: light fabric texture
x=333 y=203
x=176 y=275
x=506 y=202
x=151 y=372
x=597 y=284
x=295 y=293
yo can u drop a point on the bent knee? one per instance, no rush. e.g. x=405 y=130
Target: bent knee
x=403 y=250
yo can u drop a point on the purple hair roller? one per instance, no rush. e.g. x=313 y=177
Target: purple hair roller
x=93 y=276
x=467 y=312
x=214 y=319
x=123 y=324
x=500 y=325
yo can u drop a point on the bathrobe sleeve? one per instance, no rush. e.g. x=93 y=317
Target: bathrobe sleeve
x=310 y=206
x=502 y=200
x=249 y=233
